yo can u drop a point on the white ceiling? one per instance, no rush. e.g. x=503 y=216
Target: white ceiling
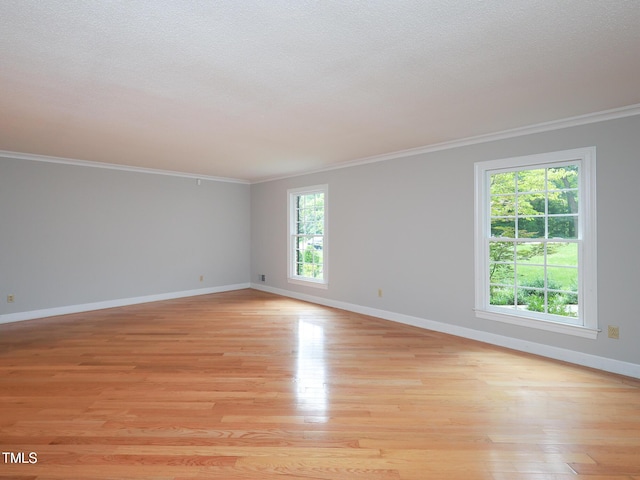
x=254 y=89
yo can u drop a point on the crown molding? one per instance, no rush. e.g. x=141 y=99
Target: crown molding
x=114 y=166
x=612 y=114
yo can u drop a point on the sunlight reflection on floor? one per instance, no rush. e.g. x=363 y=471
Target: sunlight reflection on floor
x=311 y=368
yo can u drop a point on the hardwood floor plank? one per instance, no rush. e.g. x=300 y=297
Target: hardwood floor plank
x=249 y=385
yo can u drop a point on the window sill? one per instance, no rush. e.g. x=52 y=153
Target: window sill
x=308 y=283
x=565 y=328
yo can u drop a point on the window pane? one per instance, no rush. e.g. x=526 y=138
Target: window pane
x=562 y=278
x=562 y=254
x=563 y=226
x=501 y=251
x=531 y=299
x=503 y=205
x=503 y=183
x=501 y=273
x=530 y=276
x=563 y=177
x=531 y=180
x=310 y=243
x=530 y=253
x=563 y=202
x=501 y=296
x=531 y=227
x=531 y=204
x=562 y=304
x=503 y=227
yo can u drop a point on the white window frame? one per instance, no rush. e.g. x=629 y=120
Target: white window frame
x=292 y=275
x=587 y=322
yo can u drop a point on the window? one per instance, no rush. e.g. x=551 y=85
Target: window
x=308 y=236
x=535 y=241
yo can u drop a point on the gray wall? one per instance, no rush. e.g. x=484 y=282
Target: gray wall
x=406 y=226
x=72 y=235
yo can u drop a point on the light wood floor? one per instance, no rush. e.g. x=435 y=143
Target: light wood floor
x=248 y=385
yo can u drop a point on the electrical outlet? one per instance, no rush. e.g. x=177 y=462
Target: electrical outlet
x=614 y=332
x=379 y=292
x=263 y=277
x=11 y=298
x=201 y=278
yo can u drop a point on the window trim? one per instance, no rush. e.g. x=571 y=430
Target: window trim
x=587 y=247
x=292 y=277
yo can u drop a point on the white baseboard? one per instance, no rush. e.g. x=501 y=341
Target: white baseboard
x=571 y=356
x=122 y=302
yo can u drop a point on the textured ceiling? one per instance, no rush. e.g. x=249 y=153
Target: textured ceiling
x=254 y=89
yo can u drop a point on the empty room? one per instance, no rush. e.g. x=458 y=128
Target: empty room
x=366 y=240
